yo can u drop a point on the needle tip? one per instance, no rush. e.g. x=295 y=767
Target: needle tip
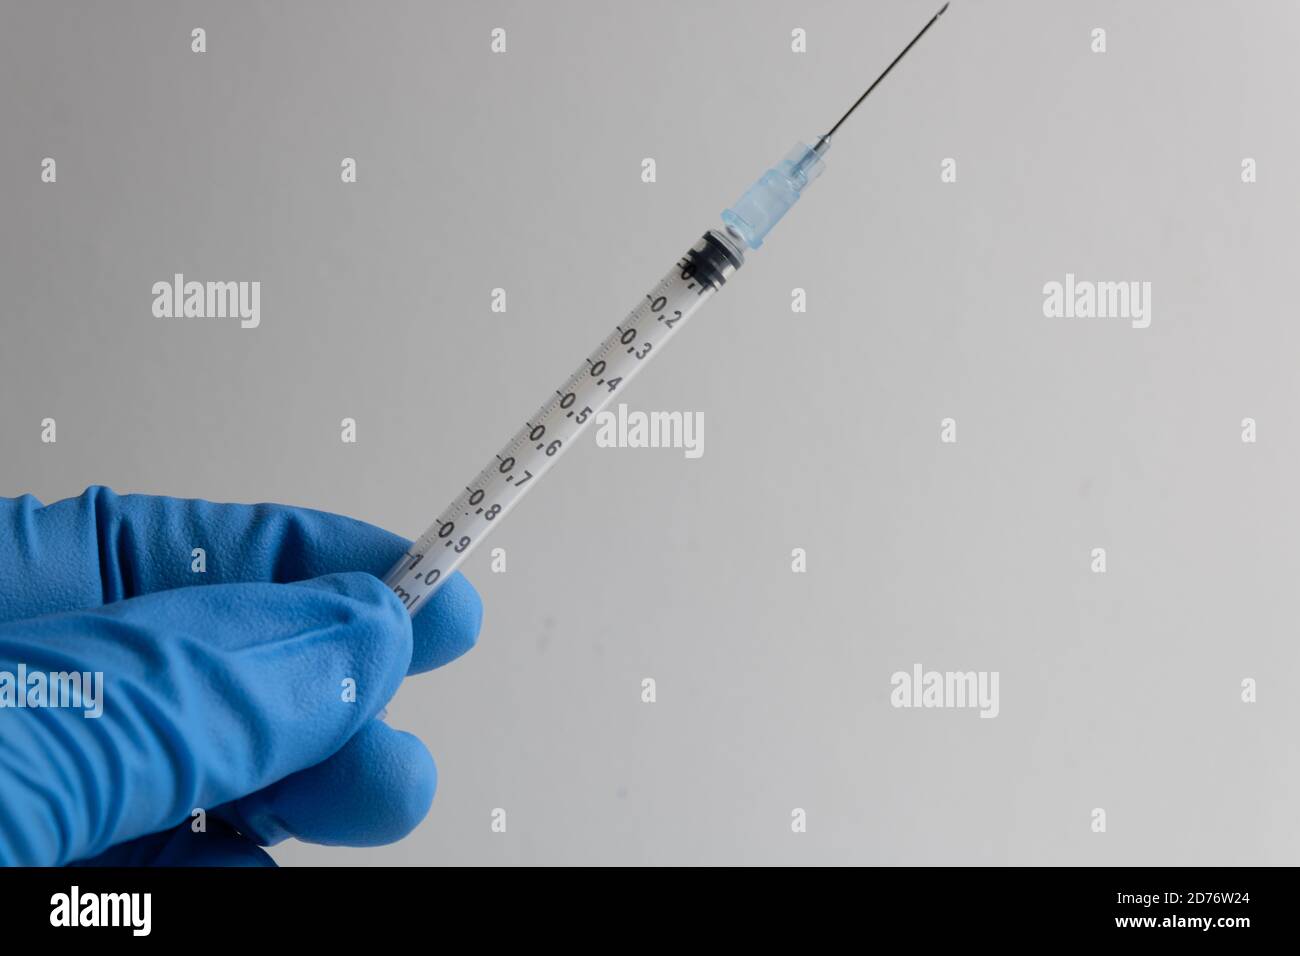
x=825 y=140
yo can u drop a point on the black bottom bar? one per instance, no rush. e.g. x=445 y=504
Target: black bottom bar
x=1161 y=906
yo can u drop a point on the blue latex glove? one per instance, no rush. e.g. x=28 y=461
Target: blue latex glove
x=223 y=691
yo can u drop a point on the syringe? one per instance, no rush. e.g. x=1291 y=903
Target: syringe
x=702 y=271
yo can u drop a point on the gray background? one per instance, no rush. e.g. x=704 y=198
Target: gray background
x=822 y=430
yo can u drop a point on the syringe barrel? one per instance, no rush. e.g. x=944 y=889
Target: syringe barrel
x=567 y=412
x=753 y=215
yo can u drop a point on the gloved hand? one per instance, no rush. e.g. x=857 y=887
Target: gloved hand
x=225 y=691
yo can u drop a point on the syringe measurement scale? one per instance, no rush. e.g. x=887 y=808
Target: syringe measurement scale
x=515 y=470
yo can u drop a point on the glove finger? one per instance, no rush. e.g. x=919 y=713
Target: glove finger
x=208 y=694
x=374 y=791
x=101 y=547
x=219 y=845
x=447 y=626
